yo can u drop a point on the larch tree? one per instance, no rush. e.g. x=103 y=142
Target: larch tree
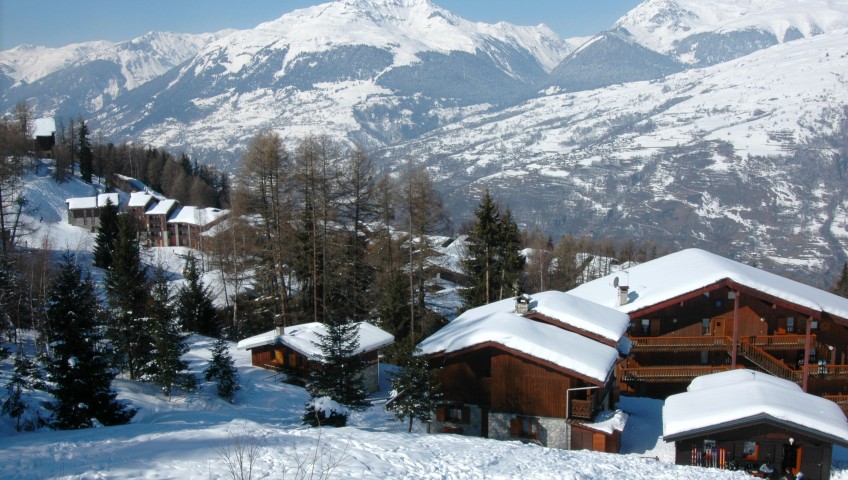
x=425 y=216
x=77 y=364
x=357 y=210
x=262 y=190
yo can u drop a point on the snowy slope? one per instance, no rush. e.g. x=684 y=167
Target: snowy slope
x=677 y=27
x=699 y=158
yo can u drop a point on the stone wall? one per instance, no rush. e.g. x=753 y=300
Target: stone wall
x=553 y=432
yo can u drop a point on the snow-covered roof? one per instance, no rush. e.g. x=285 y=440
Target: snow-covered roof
x=140 y=199
x=43 y=127
x=740 y=397
x=198 y=216
x=162 y=208
x=498 y=323
x=581 y=313
x=93 y=202
x=689 y=270
x=305 y=338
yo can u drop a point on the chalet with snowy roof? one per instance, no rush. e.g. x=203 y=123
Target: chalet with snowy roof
x=157 y=223
x=539 y=369
x=742 y=419
x=694 y=313
x=139 y=203
x=85 y=211
x=296 y=352
x=187 y=225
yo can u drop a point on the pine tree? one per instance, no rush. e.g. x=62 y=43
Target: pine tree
x=25 y=377
x=84 y=153
x=841 y=287
x=482 y=261
x=167 y=367
x=494 y=263
x=195 y=309
x=107 y=235
x=340 y=373
x=77 y=365
x=128 y=295
x=414 y=396
x=222 y=369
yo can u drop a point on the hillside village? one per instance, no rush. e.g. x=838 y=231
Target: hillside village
x=310 y=306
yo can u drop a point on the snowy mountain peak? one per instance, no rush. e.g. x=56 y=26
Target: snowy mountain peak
x=663 y=25
x=405 y=27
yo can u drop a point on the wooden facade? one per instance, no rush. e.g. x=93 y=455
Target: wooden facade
x=748 y=447
x=529 y=392
x=726 y=325
x=298 y=368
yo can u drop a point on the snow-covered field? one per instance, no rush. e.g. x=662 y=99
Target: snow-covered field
x=187 y=436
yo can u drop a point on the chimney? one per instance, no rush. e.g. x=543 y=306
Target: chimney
x=522 y=304
x=622 y=294
x=278 y=329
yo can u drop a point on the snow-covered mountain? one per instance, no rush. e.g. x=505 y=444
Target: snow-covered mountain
x=702 y=33
x=371 y=71
x=704 y=157
x=82 y=78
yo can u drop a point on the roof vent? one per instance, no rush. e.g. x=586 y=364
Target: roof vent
x=522 y=304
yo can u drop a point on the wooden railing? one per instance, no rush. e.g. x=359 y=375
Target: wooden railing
x=777 y=342
x=669 y=374
x=768 y=363
x=581 y=409
x=676 y=344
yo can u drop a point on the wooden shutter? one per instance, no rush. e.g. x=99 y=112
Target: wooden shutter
x=441 y=413
x=515 y=427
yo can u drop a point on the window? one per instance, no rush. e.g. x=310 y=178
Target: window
x=790 y=324
x=646 y=325
x=453 y=414
x=705 y=326
x=524 y=427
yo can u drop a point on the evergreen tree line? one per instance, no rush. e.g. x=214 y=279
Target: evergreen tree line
x=140 y=330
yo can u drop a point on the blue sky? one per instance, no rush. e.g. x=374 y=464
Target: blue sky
x=59 y=22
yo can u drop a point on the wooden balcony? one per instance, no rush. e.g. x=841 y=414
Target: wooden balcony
x=581 y=409
x=668 y=374
x=679 y=344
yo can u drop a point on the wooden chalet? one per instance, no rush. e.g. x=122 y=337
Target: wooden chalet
x=752 y=421
x=85 y=211
x=694 y=313
x=295 y=351
x=187 y=225
x=534 y=369
x=157 y=223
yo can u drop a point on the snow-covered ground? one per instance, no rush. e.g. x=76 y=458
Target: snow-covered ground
x=187 y=437
x=192 y=435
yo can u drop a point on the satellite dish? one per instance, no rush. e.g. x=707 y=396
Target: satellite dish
x=615 y=282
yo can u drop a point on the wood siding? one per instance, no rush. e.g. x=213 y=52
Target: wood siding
x=524 y=388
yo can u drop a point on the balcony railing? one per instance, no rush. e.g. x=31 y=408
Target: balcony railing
x=669 y=374
x=581 y=409
x=678 y=344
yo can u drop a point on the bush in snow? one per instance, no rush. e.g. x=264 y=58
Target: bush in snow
x=324 y=411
